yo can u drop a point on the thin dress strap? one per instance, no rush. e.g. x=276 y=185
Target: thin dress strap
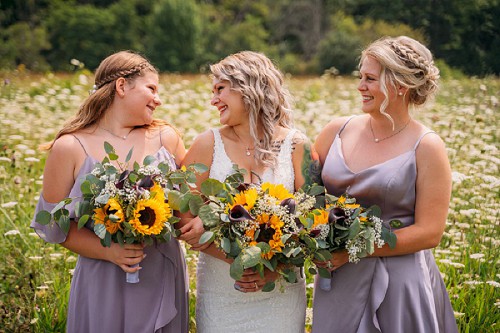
x=420 y=139
x=345 y=124
x=81 y=144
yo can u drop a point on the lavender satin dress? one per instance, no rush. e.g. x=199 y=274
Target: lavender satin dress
x=100 y=299
x=386 y=294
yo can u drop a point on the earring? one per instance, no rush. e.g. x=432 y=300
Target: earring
x=400 y=93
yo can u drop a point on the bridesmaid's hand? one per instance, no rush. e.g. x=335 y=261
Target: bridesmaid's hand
x=339 y=259
x=191 y=232
x=252 y=281
x=126 y=256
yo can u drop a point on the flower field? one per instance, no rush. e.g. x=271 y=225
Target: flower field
x=35 y=276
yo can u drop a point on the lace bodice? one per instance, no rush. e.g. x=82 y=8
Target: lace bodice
x=222 y=166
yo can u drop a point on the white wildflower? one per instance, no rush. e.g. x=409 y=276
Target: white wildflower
x=12 y=232
x=9 y=204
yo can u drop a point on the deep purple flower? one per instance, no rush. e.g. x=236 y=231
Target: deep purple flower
x=290 y=204
x=238 y=214
x=337 y=215
x=121 y=180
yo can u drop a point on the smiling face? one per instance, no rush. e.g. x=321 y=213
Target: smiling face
x=229 y=102
x=141 y=97
x=370 y=85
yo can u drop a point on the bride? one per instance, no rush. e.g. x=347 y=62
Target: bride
x=257 y=135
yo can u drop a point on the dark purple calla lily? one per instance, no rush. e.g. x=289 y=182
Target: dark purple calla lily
x=337 y=215
x=121 y=180
x=243 y=187
x=290 y=204
x=146 y=183
x=314 y=233
x=238 y=214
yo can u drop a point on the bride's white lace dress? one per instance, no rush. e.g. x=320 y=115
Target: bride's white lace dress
x=219 y=307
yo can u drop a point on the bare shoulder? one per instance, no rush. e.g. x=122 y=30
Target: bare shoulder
x=66 y=147
x=325 y=138
x=201 y=150
x=432 y=157
x=430 y=145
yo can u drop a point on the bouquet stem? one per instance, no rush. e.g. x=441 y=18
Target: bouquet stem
x=325 y=284
x=133 y=277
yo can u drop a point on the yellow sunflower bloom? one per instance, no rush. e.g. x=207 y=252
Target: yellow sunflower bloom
x=246 y=198
x=157 y=193
x=101 y=216
x=322 y=218
x=277 y=190
x=276 y=223
x=149 y=217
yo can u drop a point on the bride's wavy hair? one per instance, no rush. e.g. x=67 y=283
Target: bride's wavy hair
x=265 y=97
x=407 y=63
x=126 y=64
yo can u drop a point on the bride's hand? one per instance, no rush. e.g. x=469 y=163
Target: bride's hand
x=252 y=281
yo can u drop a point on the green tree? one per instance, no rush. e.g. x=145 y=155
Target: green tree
x=173 y=35
x=23 y=45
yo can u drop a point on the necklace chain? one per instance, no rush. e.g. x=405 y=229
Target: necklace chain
x=390 y=136
x=247 y=149
x=124 y=137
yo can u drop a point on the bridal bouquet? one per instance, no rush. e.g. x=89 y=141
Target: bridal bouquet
x=340 y=223
x=126 y=206
x=254 y=224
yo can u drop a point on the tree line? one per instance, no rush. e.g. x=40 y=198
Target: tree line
x=302 y=36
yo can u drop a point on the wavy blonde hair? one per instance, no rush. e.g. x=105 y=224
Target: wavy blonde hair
x=126 y=64
x=264 y=96
x=407 y=63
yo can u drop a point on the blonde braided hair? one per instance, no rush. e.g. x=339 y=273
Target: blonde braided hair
x=126 y=64
x=406 y=63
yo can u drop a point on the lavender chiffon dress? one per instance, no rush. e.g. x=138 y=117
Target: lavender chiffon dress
x=100 y=298
x=387 y=294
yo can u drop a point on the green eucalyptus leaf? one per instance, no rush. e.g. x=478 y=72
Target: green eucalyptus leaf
x=226 y=244
x=82 y=221
x=211 y=187
x=251 y=256
x=100 y=230
x=324 y=273
x=129 y=155
x=236 y=269
x=269 y=286
x=195 y=204
x=198 y=167
x=108 y=148
x=209 y=218
x=396 y=224
x=174 y=200
x=64 y=223
x=112 y=157
x=43 y=217
x=149 y=160
x=207 y=237
x=354 y=229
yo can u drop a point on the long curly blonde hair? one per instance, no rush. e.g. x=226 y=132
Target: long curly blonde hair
x=126 y=64
x=264 y=95
x=407 y=63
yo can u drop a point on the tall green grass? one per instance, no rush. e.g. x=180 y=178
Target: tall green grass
x=35 y=276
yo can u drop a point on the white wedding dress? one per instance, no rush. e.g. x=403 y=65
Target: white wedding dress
x=219 y=307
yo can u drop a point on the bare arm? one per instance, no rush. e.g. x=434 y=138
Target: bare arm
x=61 y=168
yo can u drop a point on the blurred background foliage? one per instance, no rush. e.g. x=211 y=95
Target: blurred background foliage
x=302 y=36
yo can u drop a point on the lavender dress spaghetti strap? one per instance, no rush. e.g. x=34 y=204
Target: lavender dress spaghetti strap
x=386 y=294
x=100 y=299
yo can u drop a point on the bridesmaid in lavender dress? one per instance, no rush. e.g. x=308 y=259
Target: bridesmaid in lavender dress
x=120 y=111
x=389 y=159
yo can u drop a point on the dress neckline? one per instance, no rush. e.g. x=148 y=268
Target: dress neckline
x=93 y=160
x=341 y=154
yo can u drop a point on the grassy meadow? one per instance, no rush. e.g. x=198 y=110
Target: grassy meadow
x=35 y=276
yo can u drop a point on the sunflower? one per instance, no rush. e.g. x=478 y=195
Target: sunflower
x=246 y=198
x=149 y=216
x=277 y=190
x=321 y=218
x=157 y=193
x=342 y=203
x=101 y=216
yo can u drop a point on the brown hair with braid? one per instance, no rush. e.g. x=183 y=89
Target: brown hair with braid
x=123 y=64
x=405 y=63
x=264 y=94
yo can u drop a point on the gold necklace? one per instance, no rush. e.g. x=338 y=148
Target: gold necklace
x=124 y=137
x=390 y=136
x=247 y=149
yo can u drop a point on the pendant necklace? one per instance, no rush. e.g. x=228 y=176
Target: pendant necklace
x=124 y=137
x=390 y=136
x=247 y=149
